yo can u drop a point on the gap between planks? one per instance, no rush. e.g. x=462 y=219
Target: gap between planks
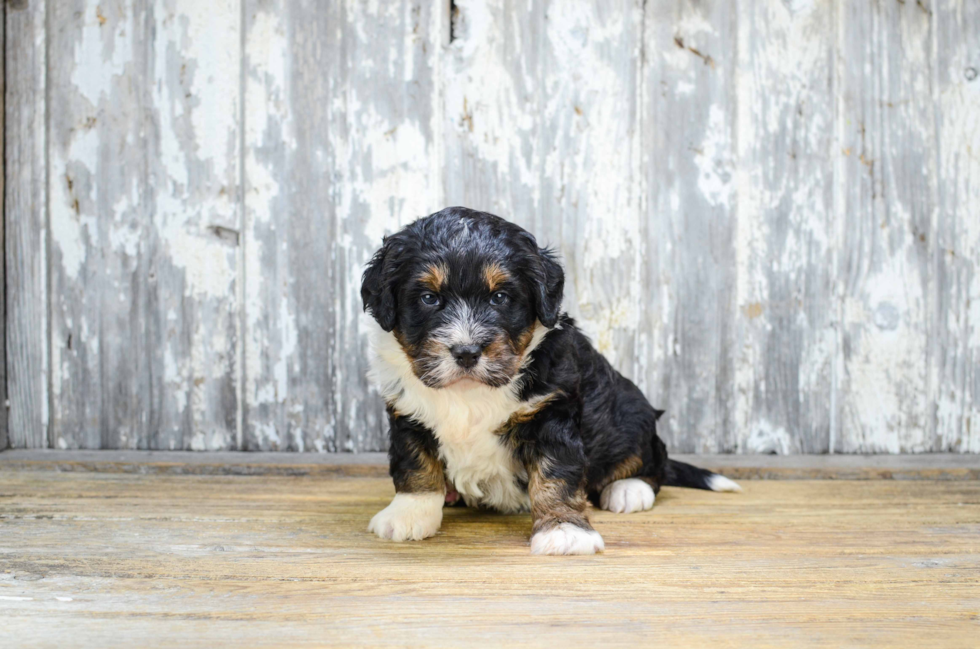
x=933 y=466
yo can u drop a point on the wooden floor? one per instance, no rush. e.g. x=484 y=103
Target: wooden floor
x=100 y=560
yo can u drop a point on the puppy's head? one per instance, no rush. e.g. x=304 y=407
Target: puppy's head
x=462 y=291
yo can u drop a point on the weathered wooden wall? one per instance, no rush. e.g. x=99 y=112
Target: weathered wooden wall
x=769 y=210
x=3 y=281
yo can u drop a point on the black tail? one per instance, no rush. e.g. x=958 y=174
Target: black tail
x=680 y=474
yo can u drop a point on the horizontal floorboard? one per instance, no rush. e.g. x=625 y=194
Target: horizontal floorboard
x=103 y=560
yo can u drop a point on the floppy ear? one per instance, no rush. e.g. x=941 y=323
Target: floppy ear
x=548 y=286
x=377 y=286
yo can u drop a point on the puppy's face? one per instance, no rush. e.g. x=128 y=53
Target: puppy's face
x=462 y=292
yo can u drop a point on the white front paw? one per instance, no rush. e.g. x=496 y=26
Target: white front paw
x=567 y=538
x=409 y=517
x=627 y=496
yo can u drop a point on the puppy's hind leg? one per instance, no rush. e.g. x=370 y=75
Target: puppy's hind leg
x=626 y=488
x=627 y=496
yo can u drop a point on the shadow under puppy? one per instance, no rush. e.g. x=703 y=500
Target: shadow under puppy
x=495 y=396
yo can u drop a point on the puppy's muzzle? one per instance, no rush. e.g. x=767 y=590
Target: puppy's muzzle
x=467 y=356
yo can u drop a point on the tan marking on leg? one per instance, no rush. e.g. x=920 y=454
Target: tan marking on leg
x=427 y=478
x=549 y=504
x=625 y=469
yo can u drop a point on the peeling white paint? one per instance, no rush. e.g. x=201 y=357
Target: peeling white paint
x=392 y=184
x=552 y=133
x=71 y=228
x=715 y=179
x=958 y=110
x=268 y=127
x=101 y=55
x=764 y=438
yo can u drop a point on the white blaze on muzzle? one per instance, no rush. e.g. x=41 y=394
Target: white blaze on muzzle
x=463 y=327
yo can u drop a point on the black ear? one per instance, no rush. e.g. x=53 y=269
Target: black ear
x=377 y=286
x=548 y=286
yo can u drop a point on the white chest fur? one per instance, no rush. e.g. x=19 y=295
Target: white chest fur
x=465 y=421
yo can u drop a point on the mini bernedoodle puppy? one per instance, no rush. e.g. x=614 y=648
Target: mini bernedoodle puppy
x=495 y=396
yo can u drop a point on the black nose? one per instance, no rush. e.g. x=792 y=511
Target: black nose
x=466 y=355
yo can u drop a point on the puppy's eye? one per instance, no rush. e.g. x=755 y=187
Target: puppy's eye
x=499 y=298
x=430 y=299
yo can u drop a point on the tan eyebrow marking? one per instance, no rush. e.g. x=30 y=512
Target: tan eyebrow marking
x=435 y=277
x=495 y=276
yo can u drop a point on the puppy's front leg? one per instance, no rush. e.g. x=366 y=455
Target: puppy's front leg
x=556 y=476
x=415 y=512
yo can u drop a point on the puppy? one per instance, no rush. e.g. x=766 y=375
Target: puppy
x=495 y=396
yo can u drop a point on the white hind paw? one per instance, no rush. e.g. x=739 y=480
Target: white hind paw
x=627 y=496
x=567 y=538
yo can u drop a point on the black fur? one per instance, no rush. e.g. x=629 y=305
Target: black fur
x=600 y=422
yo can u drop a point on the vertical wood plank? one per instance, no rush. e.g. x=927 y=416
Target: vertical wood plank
x=491 y=108
x=340 y=149
x=688 y=334
x=785 y=227
x=145 y=222
x=195 y=189
x=542 y=128
x=888 y=187
x=956 y=249
x=99 y=226
x=3 y=262
x=25 y=213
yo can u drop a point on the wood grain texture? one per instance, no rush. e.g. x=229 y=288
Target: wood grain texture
x=341 y=122
x=562 y=81
x=766 y=209
x=3 y=281
x=25 y=215
x=889 y=194
x=144 y=159
x=785 y=320
x=956 y=226
x=120 y=560
x=687 y=333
